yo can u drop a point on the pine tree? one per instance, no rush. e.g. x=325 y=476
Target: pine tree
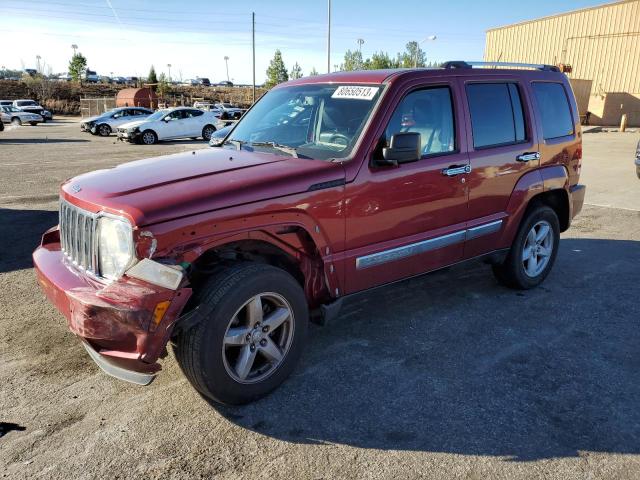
x=313 y=72
x=277 y=72
x=152 y=78
x=296 y=72
x=77 y=66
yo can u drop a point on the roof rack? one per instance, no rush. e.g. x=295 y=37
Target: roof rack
x=535 y=66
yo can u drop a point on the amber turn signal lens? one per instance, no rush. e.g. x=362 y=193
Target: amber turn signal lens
x=159 y=311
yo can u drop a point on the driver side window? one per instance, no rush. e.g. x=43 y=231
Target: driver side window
x=428 y=112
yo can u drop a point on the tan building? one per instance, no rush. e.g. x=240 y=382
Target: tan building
x=602 y=46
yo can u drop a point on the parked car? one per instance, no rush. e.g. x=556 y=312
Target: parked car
x=6 y=103
x=203 y=81
x=638 y=160
x=15 y=116
x=32 y=106
x=219 y=135
x=231 y=110
x=108 y=122
x=64 y=77
x=329 y=186
x=131 y=80
x=208 y=107
x=119 y=80
x=225 y=83
x=169 y=124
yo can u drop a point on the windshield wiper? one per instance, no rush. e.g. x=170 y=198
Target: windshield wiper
x=237 y=143
x=283 y=148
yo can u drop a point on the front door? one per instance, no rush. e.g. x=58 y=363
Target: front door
x=408 y=219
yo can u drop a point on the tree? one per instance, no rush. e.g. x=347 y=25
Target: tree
x=77 y=66
x=380 y=60
x=313 y=72
x=296 y=72
x=163 y=85
x=277 y=72
x=152 y=78
x=352 y=61
x=413 y=56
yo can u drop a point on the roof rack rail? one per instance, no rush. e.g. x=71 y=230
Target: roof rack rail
x=535 y=66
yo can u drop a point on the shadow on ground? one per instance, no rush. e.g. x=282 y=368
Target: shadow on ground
x=24 y=141
x=431 y=364
x=20 y=233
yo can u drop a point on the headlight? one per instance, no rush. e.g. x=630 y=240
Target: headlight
x=115 y=246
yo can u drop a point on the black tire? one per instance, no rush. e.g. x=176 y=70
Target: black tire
x=103 y=130
x=512 y=272
x=199 y=348
x=148 y=137
x=1 y=126
x=15 y=121
x=33 y=124
x=207 y=131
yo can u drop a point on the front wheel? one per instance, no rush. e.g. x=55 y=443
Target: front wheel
x=149 y=137
x=533 y=251
x=104 y=130
x=15 y=121
x=207 y=131
x=248 y=333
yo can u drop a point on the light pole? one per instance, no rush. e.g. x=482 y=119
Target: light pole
x=360 y=42
x=226 y=62
x=429 y=38
x=169 y=67
x=38 y=69
x=328 y=36
x=75 y=47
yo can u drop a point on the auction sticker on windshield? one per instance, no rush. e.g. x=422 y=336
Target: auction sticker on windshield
x=360 y=93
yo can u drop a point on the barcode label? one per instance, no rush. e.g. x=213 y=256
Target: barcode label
x=360 y=93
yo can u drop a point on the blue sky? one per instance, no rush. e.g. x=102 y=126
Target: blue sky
x=125 y=36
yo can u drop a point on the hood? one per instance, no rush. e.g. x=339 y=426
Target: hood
x=92 y=119
x=135 y=123
x=163 y=188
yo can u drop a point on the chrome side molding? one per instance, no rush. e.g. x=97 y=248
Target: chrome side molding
x=398 y=253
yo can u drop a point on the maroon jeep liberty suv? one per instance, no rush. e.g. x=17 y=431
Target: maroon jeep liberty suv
x=329 y=185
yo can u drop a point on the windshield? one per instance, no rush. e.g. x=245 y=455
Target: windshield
x=10 y=109
x=157 y=116
x=26 y=103
x=310 y=121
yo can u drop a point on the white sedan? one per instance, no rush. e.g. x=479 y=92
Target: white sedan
x=18 y=117
x=109 y=121
x=169 y=124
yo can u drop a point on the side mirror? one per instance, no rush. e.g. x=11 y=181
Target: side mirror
x=166 y=119
x=403 y=148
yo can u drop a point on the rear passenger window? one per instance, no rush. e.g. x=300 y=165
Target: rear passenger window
x=496 y=111
x=428 y=112
x=555 y=112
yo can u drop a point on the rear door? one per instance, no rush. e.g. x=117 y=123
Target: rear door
x=502 y=147
x=193 y=123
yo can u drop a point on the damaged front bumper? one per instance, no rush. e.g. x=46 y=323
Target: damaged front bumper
x=124 y=325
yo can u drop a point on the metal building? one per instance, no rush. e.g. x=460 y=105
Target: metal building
x=600 y=44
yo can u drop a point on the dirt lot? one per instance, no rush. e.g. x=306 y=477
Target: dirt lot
x=445 y=376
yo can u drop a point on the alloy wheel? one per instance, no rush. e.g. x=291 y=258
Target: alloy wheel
x=258 y=338
x=148 y=138
x=537 y=249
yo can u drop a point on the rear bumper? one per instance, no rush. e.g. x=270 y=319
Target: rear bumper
x=115 y=321
x=576 y=193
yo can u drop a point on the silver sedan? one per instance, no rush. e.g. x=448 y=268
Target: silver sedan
x=15 y=116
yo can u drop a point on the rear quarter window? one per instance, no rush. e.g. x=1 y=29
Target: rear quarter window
x=555 y=113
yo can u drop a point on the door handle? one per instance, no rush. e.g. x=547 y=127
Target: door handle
x=456 y=170
x=525 y=157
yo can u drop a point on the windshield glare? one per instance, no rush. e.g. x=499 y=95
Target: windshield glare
x=320 y=121
x=157 y=115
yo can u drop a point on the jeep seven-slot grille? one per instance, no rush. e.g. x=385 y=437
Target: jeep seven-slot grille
x=78 y=236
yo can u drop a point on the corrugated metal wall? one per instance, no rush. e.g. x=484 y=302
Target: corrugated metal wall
x=602 y=44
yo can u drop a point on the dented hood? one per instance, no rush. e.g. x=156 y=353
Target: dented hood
x=163 y=188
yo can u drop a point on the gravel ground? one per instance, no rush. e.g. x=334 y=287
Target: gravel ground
x=444 y=376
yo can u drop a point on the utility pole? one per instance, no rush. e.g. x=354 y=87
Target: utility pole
x=360 y=42
x=253 y=47
x=226 y=62
x=328 y=36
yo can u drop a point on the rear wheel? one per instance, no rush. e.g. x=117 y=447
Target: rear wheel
x=207 y=131
x=533 y=251
x=15 y=121
x=33 y=124
x=149 y=137
x=104 y=130
x=250 y=326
